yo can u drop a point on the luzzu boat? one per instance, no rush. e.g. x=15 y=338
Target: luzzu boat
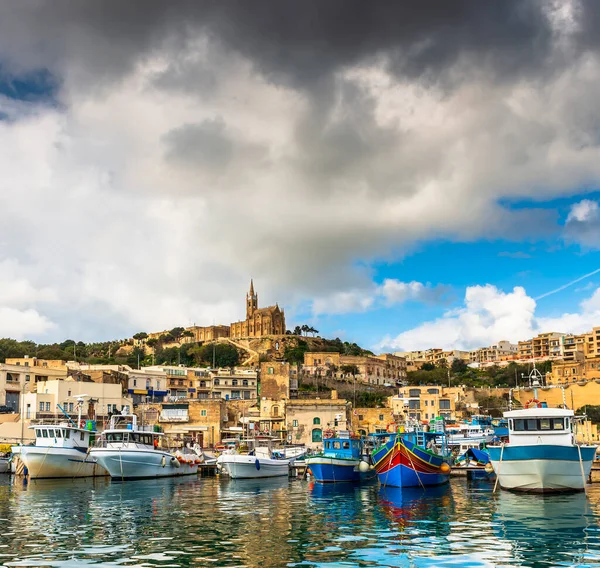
x=542 y=455
x=341 y=460
x=411 y=459
x=127 y=451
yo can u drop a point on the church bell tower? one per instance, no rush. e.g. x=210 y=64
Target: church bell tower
x=251 y=301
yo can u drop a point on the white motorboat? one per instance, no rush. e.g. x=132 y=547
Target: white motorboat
x=62 y=449
x=128 y=451
x=263 y=460
x=542 y=455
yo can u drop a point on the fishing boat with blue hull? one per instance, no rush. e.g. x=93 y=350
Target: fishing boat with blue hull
x=342 y=460
x=411 y=459
x=542 y=454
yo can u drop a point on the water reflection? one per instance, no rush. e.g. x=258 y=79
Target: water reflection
x=278 y=522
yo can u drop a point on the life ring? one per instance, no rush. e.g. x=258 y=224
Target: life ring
x=393 y=429
x=533 y=401
x=329 y=433
x=82 y=423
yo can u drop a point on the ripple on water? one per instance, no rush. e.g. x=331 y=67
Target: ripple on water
x=220 y=522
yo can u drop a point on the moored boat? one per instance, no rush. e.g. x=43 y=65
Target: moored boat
x=411 y=459
x=262 y=461
x=62 y=450
x=542 y=455
x=128 y=451
x=341 y=460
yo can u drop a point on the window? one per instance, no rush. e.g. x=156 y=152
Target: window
x=361 y=417
x=336 y=445
x=414 y=404
x=276 y=411
x=234 y=383
x=433 y=391
x=216 y=382
x=444 y=404
x=47 y=407
x=270 y=370
x=38 y=433
x=316 y=420
x=41 y=407
x=245 y=382
x=557 y=424
x=109 y=408
x=381 y=417
x=531 y=424
x=27 y=377
x=545 y=424
x=346 y=445
x=69 y=393
x=44 y=433
x=414 y=392
x=203 y=413
x=294 y=424
x=134 y=382
x=70 y=407
x=317 y=435
x=67 y=434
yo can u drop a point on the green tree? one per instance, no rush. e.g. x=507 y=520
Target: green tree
x=591 y=411
x=140 y=335
x=458 y=367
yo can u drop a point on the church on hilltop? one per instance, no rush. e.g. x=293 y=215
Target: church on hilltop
x=259 y=321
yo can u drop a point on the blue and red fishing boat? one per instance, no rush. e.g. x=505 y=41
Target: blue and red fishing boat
x=411 y=459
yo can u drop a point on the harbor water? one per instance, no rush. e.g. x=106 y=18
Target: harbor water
x=287 y=522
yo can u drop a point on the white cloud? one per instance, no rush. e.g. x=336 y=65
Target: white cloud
x=391 y=292
x=583 y=223
x=136 y=204
x=489 y=315
x=395 y=291
x=22 y=324
x=342 y=303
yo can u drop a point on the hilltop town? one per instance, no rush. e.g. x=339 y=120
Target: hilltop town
x=211 y=383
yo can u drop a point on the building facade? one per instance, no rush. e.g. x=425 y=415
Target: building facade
x=259 y=321
x=306 y=420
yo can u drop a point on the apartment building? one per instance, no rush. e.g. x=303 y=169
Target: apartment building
x=235 y=384
x=306 y=420
x=501 y=351
x=565 y=372
x=20 y=375
x=383 y=370
x=146 y=385
x=427 y=402
x=101 y=399
x=592 y=343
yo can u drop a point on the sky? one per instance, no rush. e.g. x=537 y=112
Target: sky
x=402 y=175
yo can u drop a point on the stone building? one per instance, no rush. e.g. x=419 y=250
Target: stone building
x=200 y=420
x=275 y=380
x=259 y=321
x=383 y=370
x=306 y=420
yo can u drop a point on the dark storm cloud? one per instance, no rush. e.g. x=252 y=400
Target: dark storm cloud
x=288 y=41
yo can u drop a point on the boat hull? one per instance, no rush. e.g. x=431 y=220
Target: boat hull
x=335 y=470
x=542 y=468
x=402 y=463
x=55 y=462
x=252 y=467
x=141 y=464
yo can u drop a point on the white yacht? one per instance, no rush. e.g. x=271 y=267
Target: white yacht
x=542 y=454
x=128 y=451
x=262 y=461
x=62 y=449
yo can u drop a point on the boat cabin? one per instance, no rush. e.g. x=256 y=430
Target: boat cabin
x=63 y=435
x=125 y=432
x=342 y=448
x=532 y=426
